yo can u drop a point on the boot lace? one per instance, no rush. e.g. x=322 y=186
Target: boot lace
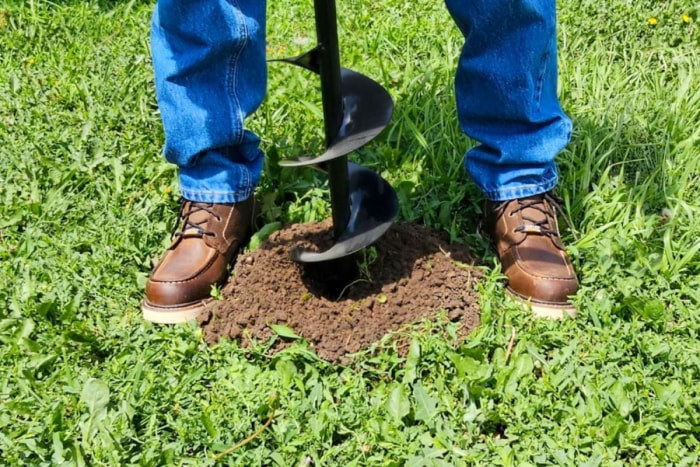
x=190 y=228
x=539 y=203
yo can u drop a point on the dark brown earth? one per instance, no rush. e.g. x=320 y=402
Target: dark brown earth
x=411 y=273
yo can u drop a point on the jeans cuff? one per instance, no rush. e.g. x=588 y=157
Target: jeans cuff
x=522 y=191
x=217 y=196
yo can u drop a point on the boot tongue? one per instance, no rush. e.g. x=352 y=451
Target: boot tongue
x=536 y=215
x=541 y=222
x=196 y=221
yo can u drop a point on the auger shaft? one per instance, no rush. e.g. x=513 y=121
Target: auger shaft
x=332 y=97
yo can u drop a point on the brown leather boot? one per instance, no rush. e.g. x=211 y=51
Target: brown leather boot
x=525 y=234
x=209 y=238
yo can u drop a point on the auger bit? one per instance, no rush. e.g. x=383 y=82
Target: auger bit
x=355 y=110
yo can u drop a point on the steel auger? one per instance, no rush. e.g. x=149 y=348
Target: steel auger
x=355 y=110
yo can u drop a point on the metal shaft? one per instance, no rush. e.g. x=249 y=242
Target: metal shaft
x=331 y=92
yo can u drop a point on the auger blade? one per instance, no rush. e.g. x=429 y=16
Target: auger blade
x=367 y=110
x=373 y=207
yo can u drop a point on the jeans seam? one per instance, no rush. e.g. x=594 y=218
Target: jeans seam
x=540 y=81
x=233 y=71
x=245 y=176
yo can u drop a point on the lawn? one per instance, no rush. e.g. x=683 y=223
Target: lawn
x=87 y=203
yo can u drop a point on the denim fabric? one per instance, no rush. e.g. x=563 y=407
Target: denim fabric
x=209 y=62
x=210 y=73
x=506 y=92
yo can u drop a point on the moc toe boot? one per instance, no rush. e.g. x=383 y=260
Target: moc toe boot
x=525 y=234
x=179 y=287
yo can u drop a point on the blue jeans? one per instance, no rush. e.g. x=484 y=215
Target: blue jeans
x=209 y=79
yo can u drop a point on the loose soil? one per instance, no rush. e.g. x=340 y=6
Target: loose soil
x=409 y=275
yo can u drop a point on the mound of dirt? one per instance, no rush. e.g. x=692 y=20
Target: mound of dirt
x=342 y=307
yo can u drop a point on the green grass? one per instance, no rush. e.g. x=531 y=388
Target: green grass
x=87 y=202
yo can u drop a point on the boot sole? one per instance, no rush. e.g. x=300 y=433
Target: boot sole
x=174 y=315
x=545 y=310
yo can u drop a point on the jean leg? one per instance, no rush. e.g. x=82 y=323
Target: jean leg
x=210 y=74
x=506 y=91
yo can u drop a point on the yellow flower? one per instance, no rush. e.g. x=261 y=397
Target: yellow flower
x=685 y=18
x=653 y=21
